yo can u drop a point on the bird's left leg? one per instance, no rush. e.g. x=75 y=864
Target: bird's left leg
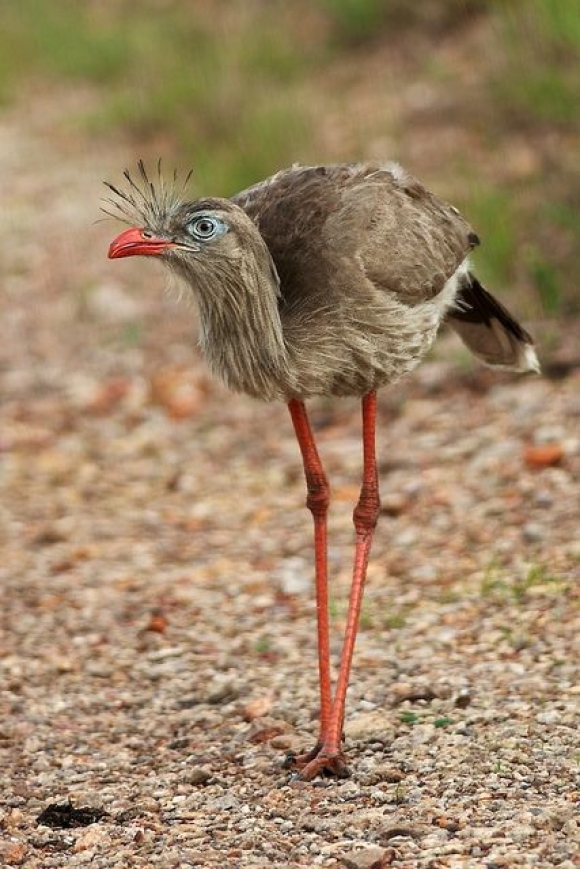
x=366 y=513
x=317 y=502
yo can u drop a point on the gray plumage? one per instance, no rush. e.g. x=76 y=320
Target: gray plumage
x=328 y=280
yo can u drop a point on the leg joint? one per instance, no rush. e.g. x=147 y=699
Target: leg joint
x=318 y=497
x=366 y=512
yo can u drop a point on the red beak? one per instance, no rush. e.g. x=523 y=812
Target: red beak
x=137 y=242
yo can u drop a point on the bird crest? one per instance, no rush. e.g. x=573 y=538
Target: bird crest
x=147 y=201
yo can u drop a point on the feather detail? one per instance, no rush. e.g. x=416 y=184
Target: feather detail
x=151 y=203
x=489 y=330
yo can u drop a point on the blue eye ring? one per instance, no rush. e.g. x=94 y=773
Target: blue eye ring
x=203 y=227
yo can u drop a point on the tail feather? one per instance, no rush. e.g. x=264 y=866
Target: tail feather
x=489 y=330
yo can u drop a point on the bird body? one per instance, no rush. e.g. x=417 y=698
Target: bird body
x=351 y=235
x=329 y=280
x=324 y=280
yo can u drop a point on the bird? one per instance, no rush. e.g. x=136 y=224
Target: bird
x=326 y=280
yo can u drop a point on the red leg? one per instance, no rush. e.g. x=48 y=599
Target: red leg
x=317 y=502
x=365 y=517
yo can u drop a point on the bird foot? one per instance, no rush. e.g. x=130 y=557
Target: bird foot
x=307 y=766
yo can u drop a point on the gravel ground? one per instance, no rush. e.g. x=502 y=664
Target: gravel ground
x=157 y=649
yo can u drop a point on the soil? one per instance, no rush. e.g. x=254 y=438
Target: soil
x=157 y=647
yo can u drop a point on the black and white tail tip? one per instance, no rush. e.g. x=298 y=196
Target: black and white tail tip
x=490 y=331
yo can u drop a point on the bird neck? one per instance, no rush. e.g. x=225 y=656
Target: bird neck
x=241 y=333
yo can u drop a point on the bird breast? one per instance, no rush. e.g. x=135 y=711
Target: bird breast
x=349 y=339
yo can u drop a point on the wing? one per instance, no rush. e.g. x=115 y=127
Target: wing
x=409 y=242
x=405 y=240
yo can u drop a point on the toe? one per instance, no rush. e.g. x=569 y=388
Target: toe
x=325 y=765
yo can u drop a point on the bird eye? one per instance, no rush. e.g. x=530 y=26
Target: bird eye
x=203 y=227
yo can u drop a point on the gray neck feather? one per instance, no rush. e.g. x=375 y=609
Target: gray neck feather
x=241 y=334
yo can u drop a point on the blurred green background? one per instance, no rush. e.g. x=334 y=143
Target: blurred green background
x=480 y=98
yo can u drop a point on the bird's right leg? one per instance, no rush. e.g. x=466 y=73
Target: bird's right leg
x=317 y=501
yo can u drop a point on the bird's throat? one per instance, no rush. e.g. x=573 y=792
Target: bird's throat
x=240 y=333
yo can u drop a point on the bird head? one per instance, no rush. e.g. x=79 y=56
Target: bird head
x=194 y=229
x=219 y=251
x=208 y=241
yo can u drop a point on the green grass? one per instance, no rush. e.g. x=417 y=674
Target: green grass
x=538 y=79
x=525 y=236
x=238 y=94
x=263 y=645
x=374 y=615
x=553 y=263
x=408 y=717
x=493 y=213
x=356 y=21
x=499 y=585
x=230 y=101
x=530 y=229
x=43 y=41
x=132 y=334
x=547 y=283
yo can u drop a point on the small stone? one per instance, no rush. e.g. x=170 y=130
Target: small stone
x=258 y=707
x=94 y=836
x=14 y=818
x=393 y=504
x=364 y=858
x=532 y=532
x=370 y=724
x=385 y=773
x=198 y=776
x=549 y=434
x=223 y=692
x=12 y=853
x=406 y=538
x=293 y=576
x=265 y=729
x=283 y=742
x=544 y=499
x=522 y=832
x=551 y=716
x=401 y=832
x=158 y=623
x=544 y=455
x=463 y=698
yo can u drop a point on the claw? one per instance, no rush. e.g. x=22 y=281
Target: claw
x=307 y=766
x=298 y=761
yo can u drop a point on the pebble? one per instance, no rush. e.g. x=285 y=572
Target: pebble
x=294 y=576
x=368 y=725
x=365 y=857
x=13 y=853
x=549 y=433
x=198 y=775
x=544 y=499
x=532 y=532
x=95 y=837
